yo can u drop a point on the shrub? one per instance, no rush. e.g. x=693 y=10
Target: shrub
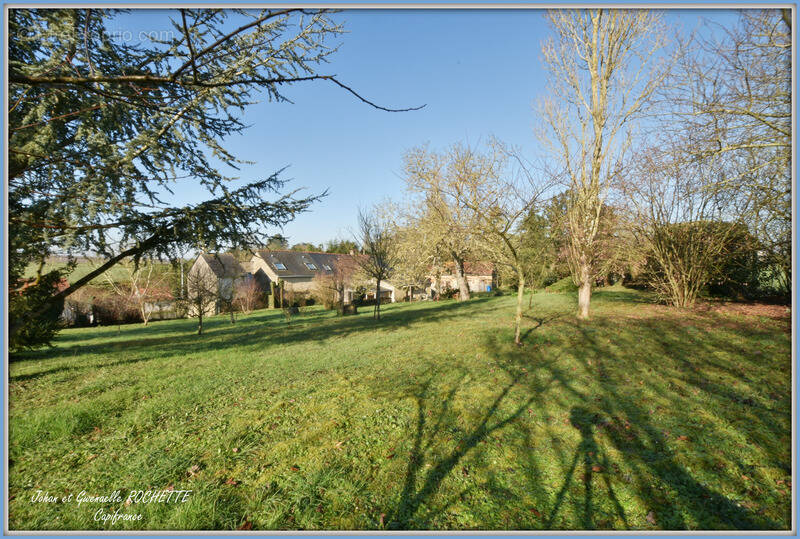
x=28 y=333
x=563 y=286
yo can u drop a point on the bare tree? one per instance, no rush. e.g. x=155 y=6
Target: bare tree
x=141 y=286
x=379 y=254
x=684 y=228
x=731 y=99
x=445 y=225
x=602 y=74
x=330 y=287
x=499 y=197
x=414 y=258
x=246 y=294
x=202 y=294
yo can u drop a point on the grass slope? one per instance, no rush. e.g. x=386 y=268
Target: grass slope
x=644 y=417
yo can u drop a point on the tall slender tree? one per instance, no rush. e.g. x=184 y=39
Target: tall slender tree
x=604 y=66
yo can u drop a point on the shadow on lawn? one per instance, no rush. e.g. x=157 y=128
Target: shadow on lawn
x=624 y=421
x=609 y=418
x=412 y=499
x=621 y=445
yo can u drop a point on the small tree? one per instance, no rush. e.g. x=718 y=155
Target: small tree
x=140 y=288
x=500 y=198
x=379 y=256
x=329 y=287
x=246 y=295
x=201 y=294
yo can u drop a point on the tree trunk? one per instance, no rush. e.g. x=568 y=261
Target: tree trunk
x=584 y=290
x=518 y=319
x=463 y=286
x=233 y=320
x=376 y=311
x=199 y=320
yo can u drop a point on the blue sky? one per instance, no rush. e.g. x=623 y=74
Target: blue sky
x=477 y=71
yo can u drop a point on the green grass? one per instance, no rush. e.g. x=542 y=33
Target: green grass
x=644 y=417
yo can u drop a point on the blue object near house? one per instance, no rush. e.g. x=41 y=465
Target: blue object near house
x=488 y=288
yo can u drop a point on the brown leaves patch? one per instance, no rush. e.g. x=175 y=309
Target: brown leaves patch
x=776 y=312
x=246 y=526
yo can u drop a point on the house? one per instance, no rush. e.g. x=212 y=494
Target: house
x=481 y=277
x=297 y=270
x=221 y=272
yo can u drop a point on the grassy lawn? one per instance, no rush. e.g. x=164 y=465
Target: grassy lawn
x=644 y=417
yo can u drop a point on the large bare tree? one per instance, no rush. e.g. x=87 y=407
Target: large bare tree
x=445 y=224
x=603 y=70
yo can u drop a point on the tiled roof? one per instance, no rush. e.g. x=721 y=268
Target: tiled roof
x=295 y=262
x=223 y=265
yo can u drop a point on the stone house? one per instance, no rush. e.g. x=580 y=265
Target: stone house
x=223 y=272
x=297 y=270
x=481 y=277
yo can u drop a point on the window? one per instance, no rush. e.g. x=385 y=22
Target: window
x=327 y=267
x=310 y=266
x=279 y=266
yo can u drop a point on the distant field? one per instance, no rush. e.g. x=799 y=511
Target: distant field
x=642 y=418
x=117 y=273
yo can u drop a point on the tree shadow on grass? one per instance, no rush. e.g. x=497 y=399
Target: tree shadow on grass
x=671 y=491
x=425 y=471
x=595 y=461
